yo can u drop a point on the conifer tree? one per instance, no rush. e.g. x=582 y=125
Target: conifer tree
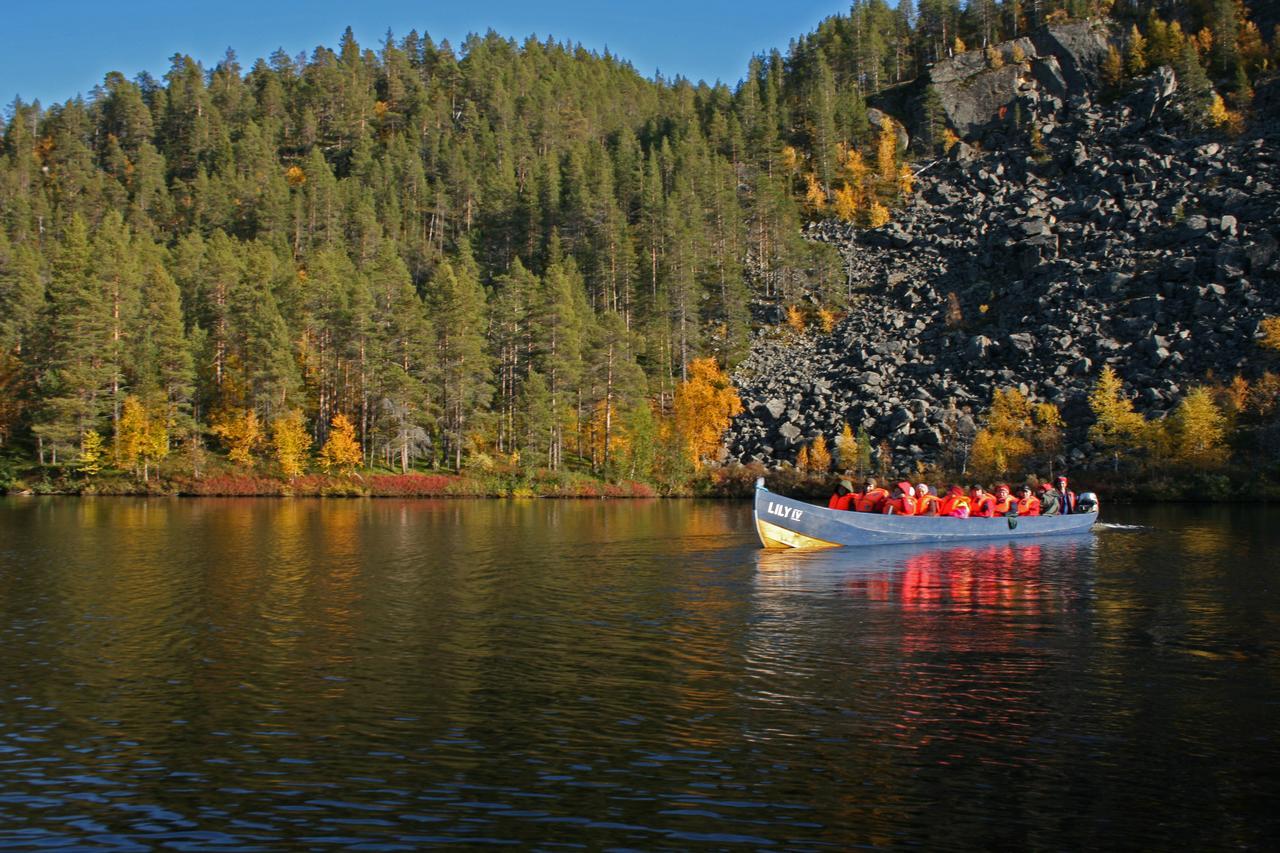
x=458 y=304
x=1117 y=427
x=76 y=372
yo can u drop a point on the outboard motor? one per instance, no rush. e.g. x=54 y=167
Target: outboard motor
x=1086 y=502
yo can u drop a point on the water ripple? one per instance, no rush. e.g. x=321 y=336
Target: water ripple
x=260 y=674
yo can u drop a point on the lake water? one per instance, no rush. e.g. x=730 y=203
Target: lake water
x=215 y=674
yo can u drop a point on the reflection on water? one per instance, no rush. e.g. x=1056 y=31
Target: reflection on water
x=207 y=674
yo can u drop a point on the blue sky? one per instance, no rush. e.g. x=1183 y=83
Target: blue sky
x=56 y=49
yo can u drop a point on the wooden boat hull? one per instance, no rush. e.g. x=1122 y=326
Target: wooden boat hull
x=787 y=523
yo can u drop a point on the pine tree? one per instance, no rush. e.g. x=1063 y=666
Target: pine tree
x=76 y=372
x=1195 y=94
x=458 y=304
x=538 y=421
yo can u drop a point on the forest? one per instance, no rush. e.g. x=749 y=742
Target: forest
x=419 y=257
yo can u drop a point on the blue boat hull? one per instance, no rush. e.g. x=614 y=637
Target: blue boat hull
x=787 y=523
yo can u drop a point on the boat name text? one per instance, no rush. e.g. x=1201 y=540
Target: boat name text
x=785 y=511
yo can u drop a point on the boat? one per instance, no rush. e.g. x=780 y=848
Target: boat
x=787 y=523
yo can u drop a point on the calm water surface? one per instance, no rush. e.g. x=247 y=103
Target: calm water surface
x=215 y=674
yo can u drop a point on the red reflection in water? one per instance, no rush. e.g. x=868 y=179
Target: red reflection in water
x=952 y=579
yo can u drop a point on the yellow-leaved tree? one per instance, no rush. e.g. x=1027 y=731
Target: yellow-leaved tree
x=704 y=405
x=1116 y=427
x=819 y=456
x=92 y=451
x=1003 y=444
x=1047 y=432
x=131 y=433
x=906 y=180
x=877 y=215
x=1270 y=328
x=1199 y=429
x=795 y=318
x=241 y=432
x=847 y=448
x=142 y=436
x=846 y=203
x=815 y=198
x=290 y=442
x=854 y=171
x=341 y=450
x=887 y=153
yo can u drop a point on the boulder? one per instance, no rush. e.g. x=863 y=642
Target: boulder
x=984 y=99
x=877 y=118
x=1080 y=49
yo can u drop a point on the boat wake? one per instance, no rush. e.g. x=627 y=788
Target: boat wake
x=1105 y=525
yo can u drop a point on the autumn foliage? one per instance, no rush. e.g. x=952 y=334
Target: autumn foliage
x=341 y=452
x=704 y=405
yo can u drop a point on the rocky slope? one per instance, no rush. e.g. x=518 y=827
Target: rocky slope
x=1119 y=240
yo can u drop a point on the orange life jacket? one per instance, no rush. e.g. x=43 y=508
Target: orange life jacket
x=927 y=505
x=1003 y=506
x=1029 y=506
x=871 y=500
x=953 y=502
x=905 y=505
x=840 y=501
x=983 y=507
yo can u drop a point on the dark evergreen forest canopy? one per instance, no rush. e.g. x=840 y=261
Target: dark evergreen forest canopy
x=502 y=248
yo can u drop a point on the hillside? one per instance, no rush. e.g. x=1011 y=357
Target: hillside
x=523 y=255
x=1115 y=237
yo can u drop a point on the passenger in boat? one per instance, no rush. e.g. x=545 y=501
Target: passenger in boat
x=842 y=497
x=981 y=504
x=901 y=502
x=955 y=504
x=1006 y=504
x=1028 y=504
x=1067 y=496
x=926 y=501
x=1050 y=500
x=871 y=498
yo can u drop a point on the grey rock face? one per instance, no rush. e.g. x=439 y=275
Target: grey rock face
x=1122 y=243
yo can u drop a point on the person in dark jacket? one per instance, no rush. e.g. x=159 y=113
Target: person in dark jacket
x=1065 y=495
x=842 y=498
x=1050 y=500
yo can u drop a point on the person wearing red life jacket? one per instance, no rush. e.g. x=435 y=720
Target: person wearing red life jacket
x=842 y=497
x=1005 y=502
x=926 y=501
x=902 y=502
x=1028 y=504
x=1068 y=496
x=871 y=498
x=955 y=504
x=981 y=504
